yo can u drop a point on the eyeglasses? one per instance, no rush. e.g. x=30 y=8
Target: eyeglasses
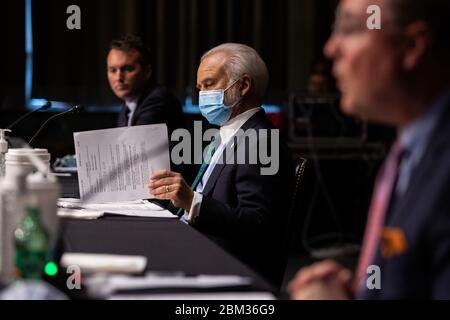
x=347 y=24
x=348 y=29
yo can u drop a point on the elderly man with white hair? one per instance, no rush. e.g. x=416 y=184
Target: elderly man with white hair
x=234 y=202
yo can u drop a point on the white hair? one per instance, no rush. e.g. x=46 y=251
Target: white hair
x=242 y=59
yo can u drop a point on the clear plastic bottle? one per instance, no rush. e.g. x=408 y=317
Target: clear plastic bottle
x=32 y=244
x=17 y=187
x=13 y=197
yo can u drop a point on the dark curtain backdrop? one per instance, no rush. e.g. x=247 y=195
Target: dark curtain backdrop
x=12 y=55
x=70 y=64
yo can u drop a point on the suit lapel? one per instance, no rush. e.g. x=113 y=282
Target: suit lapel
x=137 y=110
x=122 y=122
x=210 y=185
x=213 y=178
x=439 y=140
x=149 y=88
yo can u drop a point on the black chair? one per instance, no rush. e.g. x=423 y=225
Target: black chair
x=296 y=207
x=300 y=200
x=299 y=175
x=297 y=199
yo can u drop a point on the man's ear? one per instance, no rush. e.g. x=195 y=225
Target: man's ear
x=419 y=39
x=148 y=71
x=246 y=85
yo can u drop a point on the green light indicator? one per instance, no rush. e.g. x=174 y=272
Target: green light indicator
x=51 y=269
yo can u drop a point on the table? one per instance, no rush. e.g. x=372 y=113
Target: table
x=168 y=244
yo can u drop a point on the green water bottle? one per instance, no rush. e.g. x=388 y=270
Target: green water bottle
x=32 y=245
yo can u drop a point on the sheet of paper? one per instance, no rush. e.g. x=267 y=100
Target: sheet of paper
x=89 y=262
x=83 y=214
x=105 y=285
x=115 y=164
x=136 y=208
x=198 y=296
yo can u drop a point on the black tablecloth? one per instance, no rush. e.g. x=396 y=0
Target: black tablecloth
x=168 y=244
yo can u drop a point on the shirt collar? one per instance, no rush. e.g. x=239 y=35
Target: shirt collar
x=229 y=129
x=415 y=137
x=132 y=103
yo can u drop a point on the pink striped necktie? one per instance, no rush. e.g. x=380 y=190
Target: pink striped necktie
x=384 y=188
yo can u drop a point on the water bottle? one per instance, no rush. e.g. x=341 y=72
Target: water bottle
x=32 y=244
x=40 y=182
x=21 y=181
x=12 y=203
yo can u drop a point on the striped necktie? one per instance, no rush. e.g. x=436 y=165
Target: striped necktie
x=215 y=142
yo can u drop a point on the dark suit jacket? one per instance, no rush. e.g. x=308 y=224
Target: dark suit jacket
x=156 y=105
x=423 y=215
x=245 y=212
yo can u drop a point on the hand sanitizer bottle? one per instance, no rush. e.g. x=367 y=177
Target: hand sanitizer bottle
x=3 y=150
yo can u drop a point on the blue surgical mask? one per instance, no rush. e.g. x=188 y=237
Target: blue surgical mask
x=212 y=107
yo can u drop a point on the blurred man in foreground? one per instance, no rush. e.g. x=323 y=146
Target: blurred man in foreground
x=400 y=76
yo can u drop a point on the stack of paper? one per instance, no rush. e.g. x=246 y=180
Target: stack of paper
x=101 y=263
x=106 y=285
x=197 y=296
x=83 y=214
x=75 y=208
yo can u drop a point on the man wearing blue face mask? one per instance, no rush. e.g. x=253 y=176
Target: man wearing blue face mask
x=212 y=107
x=235 y=203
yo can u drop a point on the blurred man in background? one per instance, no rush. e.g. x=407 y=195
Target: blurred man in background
x=130 y=73
x=400 y=76
x=130 y=77
x=320 y=80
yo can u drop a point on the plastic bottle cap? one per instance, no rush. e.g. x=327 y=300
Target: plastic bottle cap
x=21 y=155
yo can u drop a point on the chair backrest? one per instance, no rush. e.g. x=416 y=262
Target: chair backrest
x=297 y=196
x=299 y=174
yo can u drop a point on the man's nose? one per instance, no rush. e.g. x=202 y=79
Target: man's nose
x=331 y=47
x=119 y=76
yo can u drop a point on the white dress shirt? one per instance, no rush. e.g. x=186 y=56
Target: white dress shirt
x=131 y=105
x=227 y=132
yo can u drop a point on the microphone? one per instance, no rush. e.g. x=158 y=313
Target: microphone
x=46 y=106
x=76 y=109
